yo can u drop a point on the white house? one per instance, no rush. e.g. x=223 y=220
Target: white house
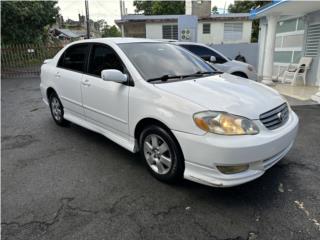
x=289 y=30
x=209 y=28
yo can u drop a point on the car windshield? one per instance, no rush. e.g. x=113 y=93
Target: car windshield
x=163 y=61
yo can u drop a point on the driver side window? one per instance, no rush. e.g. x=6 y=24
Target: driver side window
x=102 y=58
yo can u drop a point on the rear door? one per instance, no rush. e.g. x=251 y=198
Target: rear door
x=105 y=103
x=69 y=74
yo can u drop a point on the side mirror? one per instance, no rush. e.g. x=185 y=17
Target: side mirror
x=114 y=76
x=213 y=59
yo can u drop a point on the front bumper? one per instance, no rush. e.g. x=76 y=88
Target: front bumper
x=203 y=153
x=43 y=94
x=252 y=75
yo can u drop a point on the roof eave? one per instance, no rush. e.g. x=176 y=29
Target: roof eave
x=261 y=12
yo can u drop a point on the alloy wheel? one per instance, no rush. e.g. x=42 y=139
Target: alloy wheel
x=157 y=153
x=56 y=108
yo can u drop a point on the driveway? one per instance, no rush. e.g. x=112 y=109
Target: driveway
x=70 y=183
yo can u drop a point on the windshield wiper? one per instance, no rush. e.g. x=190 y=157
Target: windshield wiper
x=200 y=73
x=215 y=72
x=164 y=78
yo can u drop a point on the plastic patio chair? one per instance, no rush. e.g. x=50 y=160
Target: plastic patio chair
x=299 y=71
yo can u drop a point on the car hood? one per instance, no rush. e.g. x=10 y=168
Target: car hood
x=227 y=93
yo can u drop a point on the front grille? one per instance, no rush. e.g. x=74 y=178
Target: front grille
x=275 y=117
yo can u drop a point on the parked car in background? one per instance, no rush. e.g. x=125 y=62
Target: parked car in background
x=220 y=61
x=186 y=119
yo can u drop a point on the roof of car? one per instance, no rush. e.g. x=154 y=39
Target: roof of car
x=117 y=40
x=190 y=43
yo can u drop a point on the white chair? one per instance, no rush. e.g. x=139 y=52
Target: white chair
x=299 y=71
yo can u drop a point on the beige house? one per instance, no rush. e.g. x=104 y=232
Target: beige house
x=210 y=28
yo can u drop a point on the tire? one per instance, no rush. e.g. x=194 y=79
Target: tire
x=240 y=74
x=56 y=109
x=162 y=154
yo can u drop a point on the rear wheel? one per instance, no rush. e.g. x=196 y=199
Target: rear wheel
x=56 y=109
x=162 y=154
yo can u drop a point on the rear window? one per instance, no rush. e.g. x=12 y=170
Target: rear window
x=74 y=58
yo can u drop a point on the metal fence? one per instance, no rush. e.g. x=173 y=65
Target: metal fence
x=24 y=60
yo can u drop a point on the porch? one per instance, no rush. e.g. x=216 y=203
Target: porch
x=289 y=37
x=297 y=95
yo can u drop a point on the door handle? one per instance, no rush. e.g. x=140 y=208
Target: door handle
x=86 y=83
x=57 y=75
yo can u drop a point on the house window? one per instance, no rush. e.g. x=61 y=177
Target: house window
x=232 y=31
x=290 y=25
x=170 y=32
x=206 y=28
x=287 y=26
x=283 y=56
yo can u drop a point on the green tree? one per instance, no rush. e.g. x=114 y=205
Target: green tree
x=26 y=21
x=159 y=7
x=110 y=31
x=214 y=10
x=245 y=7
x=102 y=23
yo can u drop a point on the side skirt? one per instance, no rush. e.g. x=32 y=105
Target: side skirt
x=127 y=144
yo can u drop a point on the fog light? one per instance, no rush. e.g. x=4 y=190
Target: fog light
x=233 y=169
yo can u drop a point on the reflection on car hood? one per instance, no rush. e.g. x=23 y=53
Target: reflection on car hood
x=227 y=93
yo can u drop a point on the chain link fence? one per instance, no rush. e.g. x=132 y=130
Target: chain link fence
x=24 y=60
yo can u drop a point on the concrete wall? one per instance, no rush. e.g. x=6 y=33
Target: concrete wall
x=198 y=8
x=248 y=50
x=134 y=30
x=154 y=30
x=201 y=9
x=217 y=33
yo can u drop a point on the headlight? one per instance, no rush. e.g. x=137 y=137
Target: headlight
x=250 y=68
x=225 y=123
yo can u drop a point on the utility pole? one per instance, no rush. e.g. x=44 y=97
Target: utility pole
x=87 y=18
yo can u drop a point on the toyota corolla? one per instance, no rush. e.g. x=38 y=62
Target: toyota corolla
x=186 y=119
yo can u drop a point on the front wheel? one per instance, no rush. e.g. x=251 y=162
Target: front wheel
x=162 y=154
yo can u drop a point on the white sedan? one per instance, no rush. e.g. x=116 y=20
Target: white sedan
x=219 y=61
x=186 y=119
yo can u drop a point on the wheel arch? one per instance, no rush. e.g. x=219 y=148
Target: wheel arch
x=49 y=91
x=240 y=74
x=145 y=122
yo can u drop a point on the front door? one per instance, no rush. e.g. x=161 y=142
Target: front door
x=105 y=103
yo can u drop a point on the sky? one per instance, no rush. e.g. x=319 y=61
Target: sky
x=108 y=10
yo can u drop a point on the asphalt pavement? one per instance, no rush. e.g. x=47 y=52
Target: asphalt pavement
x=71 y=183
